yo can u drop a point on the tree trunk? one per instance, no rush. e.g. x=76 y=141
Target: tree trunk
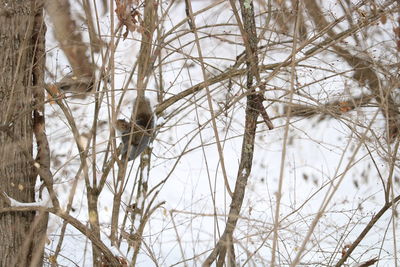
x=21 y=55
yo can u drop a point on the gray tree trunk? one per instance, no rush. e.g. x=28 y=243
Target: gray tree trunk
x=21 y=70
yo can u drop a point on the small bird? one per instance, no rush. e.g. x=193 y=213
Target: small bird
x=141 y=134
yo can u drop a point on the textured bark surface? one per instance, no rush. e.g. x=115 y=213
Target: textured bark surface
x=17 y=53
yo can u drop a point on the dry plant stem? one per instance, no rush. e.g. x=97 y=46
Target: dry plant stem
x=176 y=27
x=108 y=164
x=217 y=231
x=92 y=196
x=144 y=60
x=71 y=122
x=189 y=17
x=175 y=165
x=210 y=104
x=178 y=239
x=40 y=238
x=142 y=191
x=390 y=192
x=69 y=207
x=73 y=190
x=93 y=138
x=160 y=88
x=327 y=27
x=369 y=226
x=231 y=73
x=67 y=35
x=333 y=108
x=393 y=158
x=43 y=156
x=43 y=153
x=130 y=209
x=195 y=257
x=364 y=71
x=38 y=229
x=95 y=41
x=285 y=138
x=117 y=201
x=96 y=190
x=92 y=193
x=252 y=112
x=144 y=70
x=242 y=177
x=331 y=191
x=143 y=221
x=249 y=35
x=285 y=218
x=98 y=186
x=112 y=46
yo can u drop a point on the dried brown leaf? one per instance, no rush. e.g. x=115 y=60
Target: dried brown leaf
x=383 y=19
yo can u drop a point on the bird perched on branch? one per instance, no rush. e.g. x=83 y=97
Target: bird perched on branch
x=137 y=135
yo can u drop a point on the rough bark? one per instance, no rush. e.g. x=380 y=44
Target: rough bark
x=18 y=42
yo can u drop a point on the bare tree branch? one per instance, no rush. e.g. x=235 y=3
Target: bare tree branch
x=71 y=43
x=225 y=243
x=367 y=228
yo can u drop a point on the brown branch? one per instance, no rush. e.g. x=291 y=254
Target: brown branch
x=117 y=201
x=143 y=222
x=367 y=228
x=233 y=72
x=245 y=166
x=249 y=35
x=92 y=193
x=259 y=101
x=335 y=108
x=368 y=262
x=95 y=41
x=364 y=72
x=70 y=40
x=144 y=60
x=75 y=223
x=43 y=155
x=144 y=69
x=188 y=15
x=225 y=243
x=228 y=74
x=38 y=231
